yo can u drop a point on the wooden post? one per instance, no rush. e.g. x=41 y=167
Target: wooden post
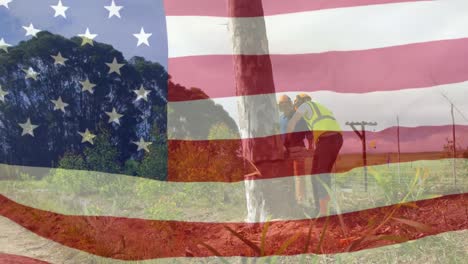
x=399 y=150
x=258 y=110
x=454 y=153
x=364 y=153
x=454 y=171
x=362 y=135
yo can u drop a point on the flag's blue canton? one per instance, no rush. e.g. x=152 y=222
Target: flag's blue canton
x=83 y=84
x=81 y=14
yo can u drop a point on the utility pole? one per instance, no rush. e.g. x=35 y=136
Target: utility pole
x=454 y=171
x=399 y=150
x=454 y=151
x=362 y=135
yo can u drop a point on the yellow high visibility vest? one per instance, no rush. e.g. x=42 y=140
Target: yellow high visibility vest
x=321 y=121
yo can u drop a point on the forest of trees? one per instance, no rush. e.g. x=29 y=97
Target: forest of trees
x=56 y=141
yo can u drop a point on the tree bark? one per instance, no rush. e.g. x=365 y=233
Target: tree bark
x=258 y=111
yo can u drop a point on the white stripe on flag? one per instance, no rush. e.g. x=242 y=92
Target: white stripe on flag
x=414 y=107
x=342 y=29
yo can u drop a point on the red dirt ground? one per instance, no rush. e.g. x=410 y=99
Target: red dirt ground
x=137 y=239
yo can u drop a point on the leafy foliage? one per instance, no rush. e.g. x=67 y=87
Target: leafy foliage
x=57 y=133
x=103 y=155
x=154 y=164
x=56 y=141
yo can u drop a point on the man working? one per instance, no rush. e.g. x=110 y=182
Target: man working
x=328 y=142
x=294 y=144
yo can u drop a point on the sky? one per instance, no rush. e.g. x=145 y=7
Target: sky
x=91 y=14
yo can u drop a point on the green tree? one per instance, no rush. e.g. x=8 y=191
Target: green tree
x=57 y=131
x=103 y=156
x=72 y=161
x=131 y=167
x=154 y=163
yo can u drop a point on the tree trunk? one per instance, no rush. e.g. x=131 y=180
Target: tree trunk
x=258 y=114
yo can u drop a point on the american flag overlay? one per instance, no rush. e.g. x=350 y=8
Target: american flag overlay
x=233 y=131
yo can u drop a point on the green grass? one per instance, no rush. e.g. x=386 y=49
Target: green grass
x=66 y=191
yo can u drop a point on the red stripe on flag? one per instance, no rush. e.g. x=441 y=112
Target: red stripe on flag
x=137 y=239
x=14 y=259
x=271 y=7
x=217 y=160
x=383 y=69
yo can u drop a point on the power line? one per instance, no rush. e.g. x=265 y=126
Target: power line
x=456 y=108
x=452 y=106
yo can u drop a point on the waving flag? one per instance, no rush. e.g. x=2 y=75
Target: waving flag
x=149 y=130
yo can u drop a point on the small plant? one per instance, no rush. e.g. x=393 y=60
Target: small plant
x=259 y=251
x=372 y=227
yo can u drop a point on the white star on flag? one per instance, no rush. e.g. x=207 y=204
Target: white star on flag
x=114 y=116
x=59 y=59
x=31 y=31
x=113 y=9
x=60 y=9
x=59 y=104
x=87 y=137
x=142 y=93
x=28 y=128
x=143 y=37
x=114 y=66
x=87 y=86
x=87 y=38
x=142 y=144
x=31 y=73
x=5 y=3
x=3 y=45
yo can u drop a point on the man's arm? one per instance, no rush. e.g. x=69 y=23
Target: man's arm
x=293 y=122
